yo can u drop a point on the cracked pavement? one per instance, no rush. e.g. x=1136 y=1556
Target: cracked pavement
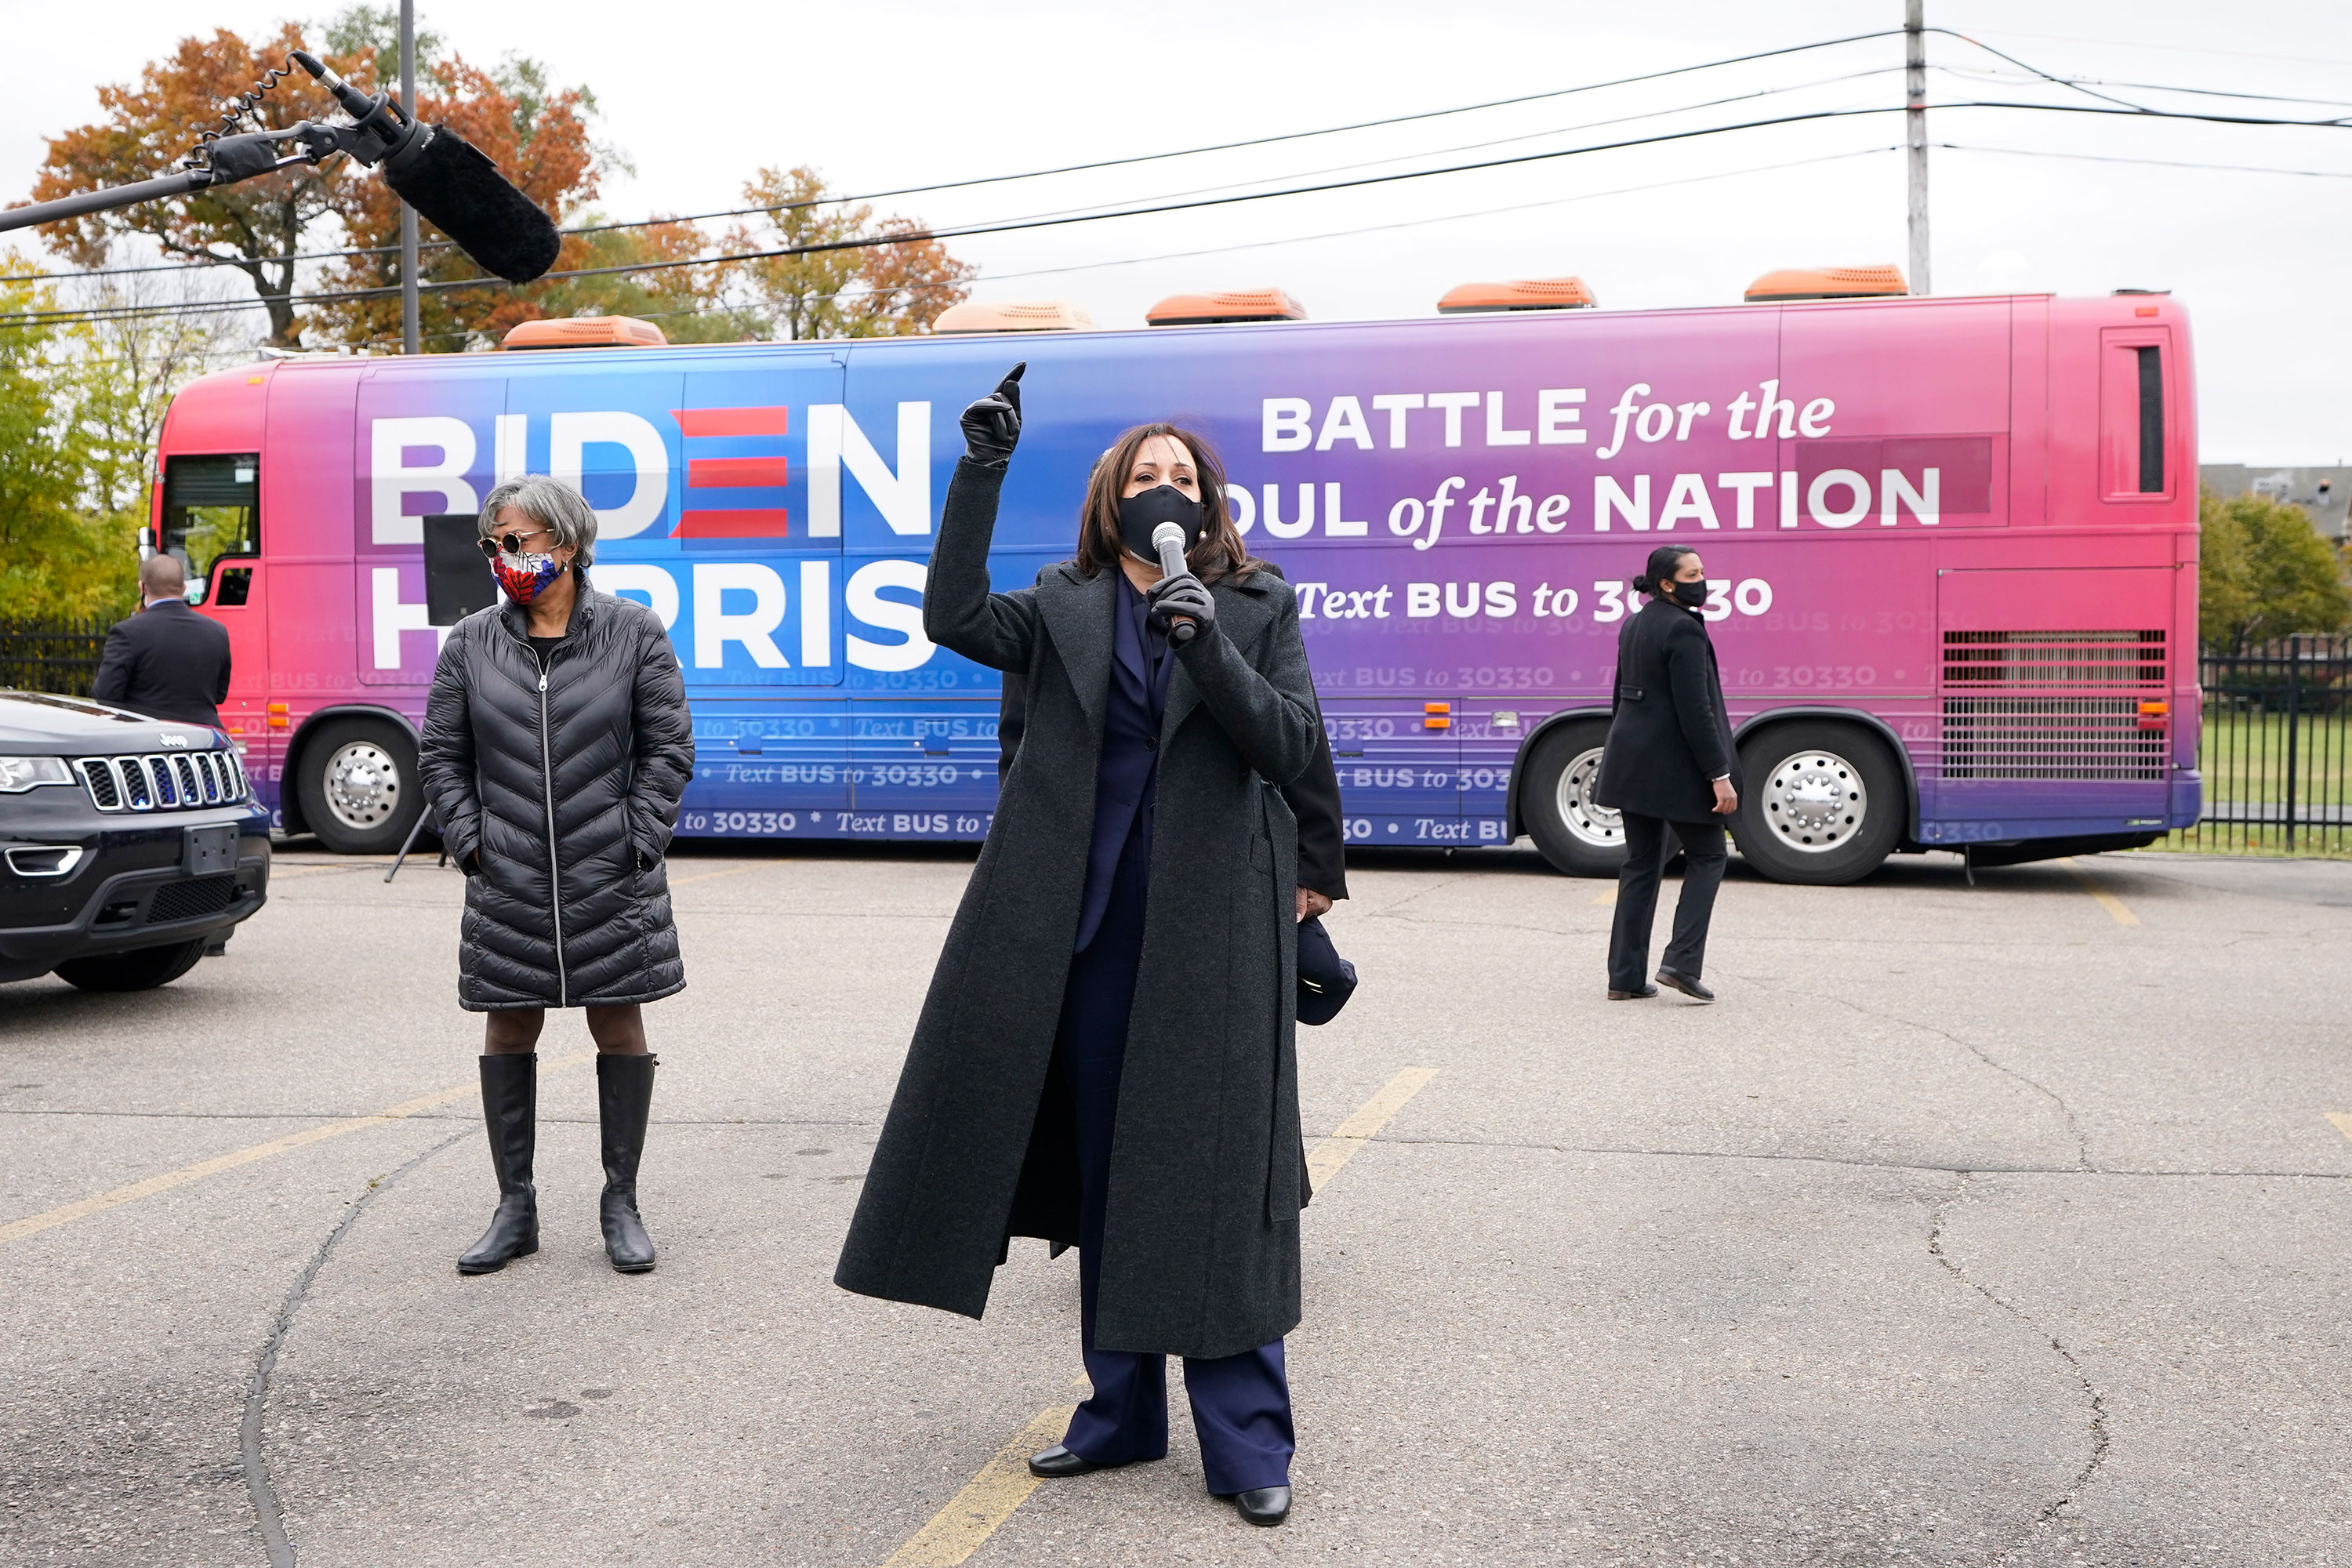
x=1969 y=1227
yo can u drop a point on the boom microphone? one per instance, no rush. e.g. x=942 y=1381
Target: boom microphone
x=458 y=190
x=447 y=179
x=432 y=168
x=1168 y=539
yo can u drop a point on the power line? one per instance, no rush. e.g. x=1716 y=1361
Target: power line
x=2083 y=86
x=1305 y=239
x=1043 y=173
x=1964 y=72
x=2151 y=163
x=1018 y=224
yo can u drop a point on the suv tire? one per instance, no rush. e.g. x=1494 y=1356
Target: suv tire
x=140 y=969
x=359 y=785
x=1824 y=803
x=1577 y=837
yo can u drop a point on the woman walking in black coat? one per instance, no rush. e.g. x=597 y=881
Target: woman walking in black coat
x=1105 y=1058
x=556 y=746
x=1668 y=759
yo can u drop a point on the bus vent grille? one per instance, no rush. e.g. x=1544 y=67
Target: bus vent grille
x=2068 y=659
x=2054 y=706
x=2049 y=738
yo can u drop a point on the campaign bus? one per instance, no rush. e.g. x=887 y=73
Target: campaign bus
x=1951 y=546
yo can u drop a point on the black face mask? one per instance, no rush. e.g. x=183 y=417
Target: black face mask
x=1140 y=514
x=1691 y=595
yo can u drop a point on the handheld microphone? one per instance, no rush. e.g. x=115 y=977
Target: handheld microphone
x=1168 y=539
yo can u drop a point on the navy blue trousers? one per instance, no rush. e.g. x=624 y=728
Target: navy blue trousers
x=1241 y=1403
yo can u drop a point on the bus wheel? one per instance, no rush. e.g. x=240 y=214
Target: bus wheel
x=1823 y=804
x=359 y=787
x=1578 y=837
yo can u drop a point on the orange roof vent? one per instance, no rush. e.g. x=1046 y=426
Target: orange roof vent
x=1213 y=310
x=1012 y=316
x=585 y=333
x=1827 y=283
x=1520 y=294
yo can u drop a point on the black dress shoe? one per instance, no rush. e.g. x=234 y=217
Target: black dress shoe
x=1632 y=996
x=1686 y=983
x=1267 y=1505
x=1057 y=1462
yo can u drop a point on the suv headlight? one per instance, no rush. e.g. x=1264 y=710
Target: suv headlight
x=20 y=773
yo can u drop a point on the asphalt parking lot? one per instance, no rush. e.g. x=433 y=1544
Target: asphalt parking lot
x=1986 y=1224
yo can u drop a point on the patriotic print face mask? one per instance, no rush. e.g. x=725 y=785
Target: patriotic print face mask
x=525 y=577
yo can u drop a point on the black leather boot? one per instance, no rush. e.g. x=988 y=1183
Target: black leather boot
x=625 y=1097
x=510 y=1110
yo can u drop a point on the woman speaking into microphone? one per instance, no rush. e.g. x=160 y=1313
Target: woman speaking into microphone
x=1105 y=1058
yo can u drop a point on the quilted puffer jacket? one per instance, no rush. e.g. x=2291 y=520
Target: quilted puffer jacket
x=558 y=795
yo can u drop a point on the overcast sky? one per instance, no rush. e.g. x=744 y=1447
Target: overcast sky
x=884 y=95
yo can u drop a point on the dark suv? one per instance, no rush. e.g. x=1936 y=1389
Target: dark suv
x=128 y=845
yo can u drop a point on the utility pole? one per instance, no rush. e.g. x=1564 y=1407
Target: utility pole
x=1915 y=123
x=408 y=214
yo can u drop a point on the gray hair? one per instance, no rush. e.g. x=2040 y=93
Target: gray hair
x=554 y=506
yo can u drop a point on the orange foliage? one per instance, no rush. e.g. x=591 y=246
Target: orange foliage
x=147 y=130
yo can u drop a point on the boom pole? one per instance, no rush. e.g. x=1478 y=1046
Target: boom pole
x=408 y=213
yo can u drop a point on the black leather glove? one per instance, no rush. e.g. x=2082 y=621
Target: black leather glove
x=1187 y=596
x=991 y=427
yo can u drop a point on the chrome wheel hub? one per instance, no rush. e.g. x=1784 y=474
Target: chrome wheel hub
x=1588 y=822
x=362 y=786
x=1815 y=802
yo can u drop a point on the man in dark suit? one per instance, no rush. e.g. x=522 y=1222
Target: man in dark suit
x=167 y=661
x=1668 y=759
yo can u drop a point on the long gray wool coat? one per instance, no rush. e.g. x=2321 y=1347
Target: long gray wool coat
x=558 y=799
x=1201 y=1244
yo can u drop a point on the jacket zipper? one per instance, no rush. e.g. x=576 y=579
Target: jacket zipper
x=554 y=873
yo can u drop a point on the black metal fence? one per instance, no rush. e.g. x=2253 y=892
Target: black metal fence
x=52 y=656
x=2276 y=752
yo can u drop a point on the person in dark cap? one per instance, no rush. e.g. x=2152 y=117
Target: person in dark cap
x=1668 y=759
x=166 y=661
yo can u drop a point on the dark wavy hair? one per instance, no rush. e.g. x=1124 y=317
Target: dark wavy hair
x=1664 y=561
x=1219 y=553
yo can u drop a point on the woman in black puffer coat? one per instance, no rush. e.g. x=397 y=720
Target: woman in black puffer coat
x=556 y=746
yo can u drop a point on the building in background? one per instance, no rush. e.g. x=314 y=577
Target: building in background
x=2322 y=492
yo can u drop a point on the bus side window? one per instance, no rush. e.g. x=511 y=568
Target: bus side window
x=212 y=507
x=2133 y=368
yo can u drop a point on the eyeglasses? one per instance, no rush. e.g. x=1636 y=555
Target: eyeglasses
x=512 y=544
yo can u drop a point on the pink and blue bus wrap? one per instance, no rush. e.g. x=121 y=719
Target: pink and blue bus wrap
x=1881 y=492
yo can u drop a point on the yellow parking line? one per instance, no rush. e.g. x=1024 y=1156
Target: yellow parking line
x=2107 y=901
x=1606 y=896
x=33 y=1225
x=1324 y=1162
x=1005 y=1483
x=2343 y=1122
x=706 y=876
x=987 y=1501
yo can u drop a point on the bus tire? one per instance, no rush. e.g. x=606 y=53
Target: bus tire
x=140 y=969
x=1579 y=838
x=359 y=787
x=1823 y=804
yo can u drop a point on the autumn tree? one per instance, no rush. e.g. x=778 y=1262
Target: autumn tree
x=875 y=291
x=257 y=226
x=538 y=135
x=2265 y=572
